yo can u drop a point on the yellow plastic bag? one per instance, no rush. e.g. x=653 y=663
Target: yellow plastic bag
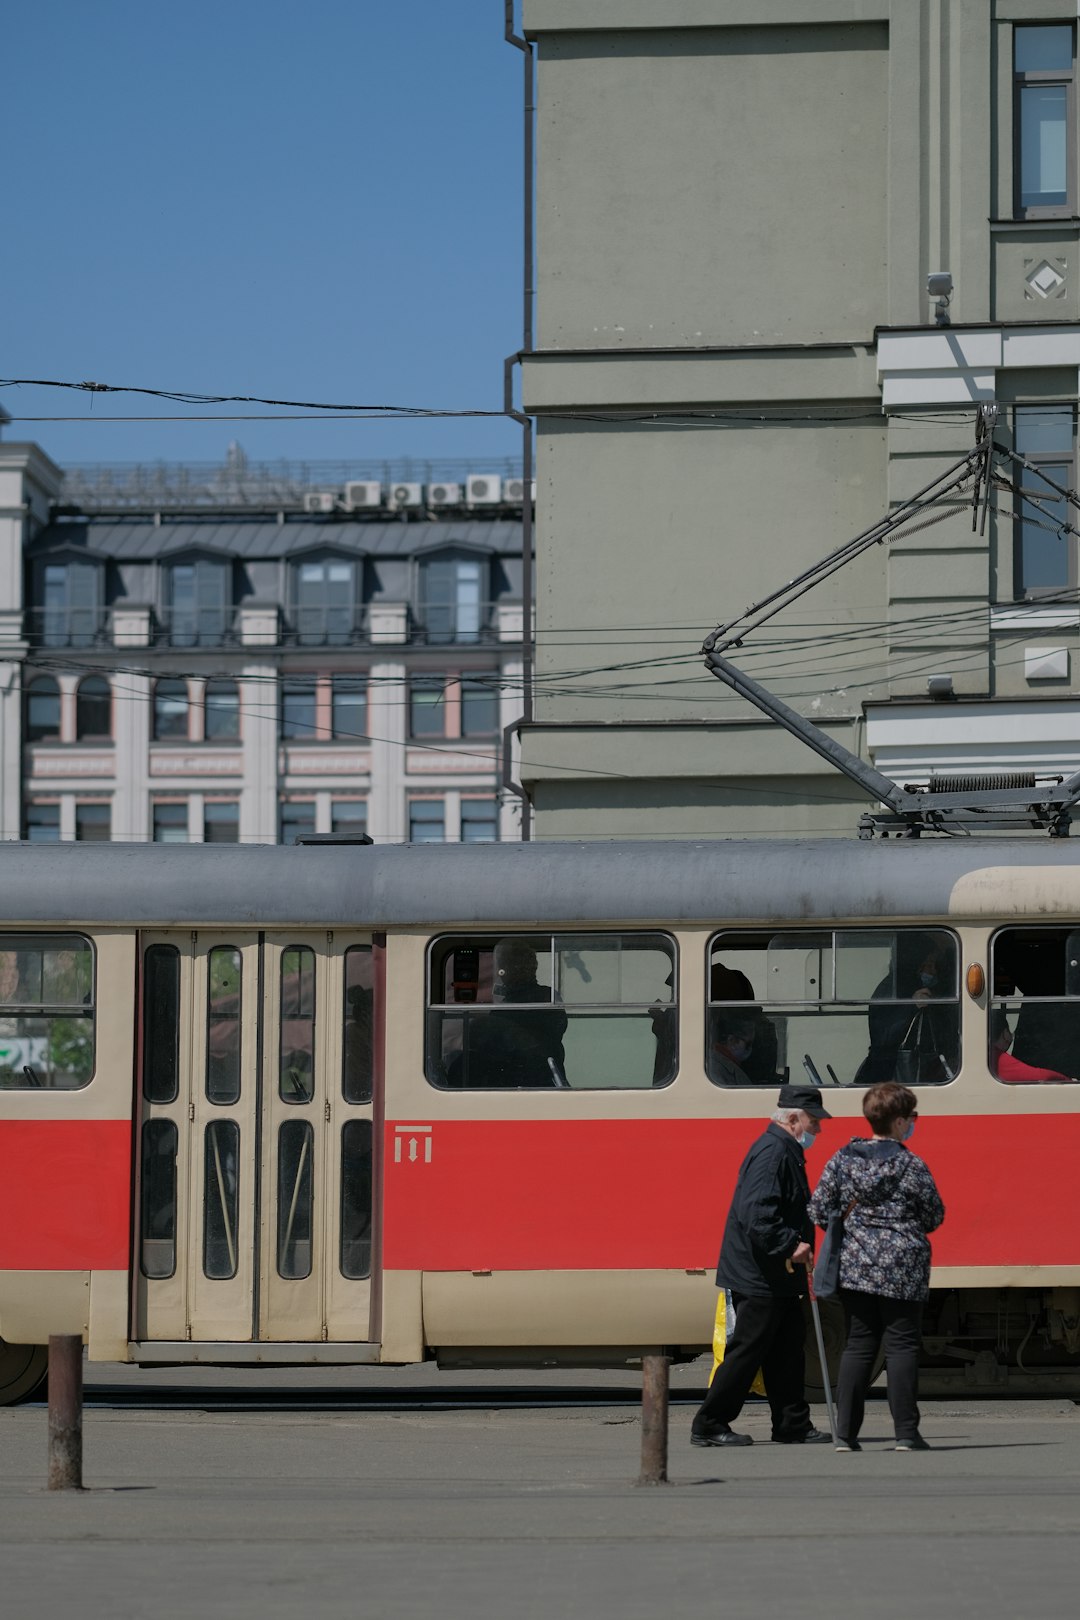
x=719 y=1343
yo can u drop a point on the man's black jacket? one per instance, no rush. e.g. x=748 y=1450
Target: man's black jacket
x=767 y=1220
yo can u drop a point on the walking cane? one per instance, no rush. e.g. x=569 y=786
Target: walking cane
x=816 y=1314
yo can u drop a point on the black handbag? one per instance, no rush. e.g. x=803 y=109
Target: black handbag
x=827 y=1264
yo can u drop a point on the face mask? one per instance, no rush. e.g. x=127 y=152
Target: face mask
x=806 y=1140
x=739 y=1050
x=928 y=980
x=910 y=1132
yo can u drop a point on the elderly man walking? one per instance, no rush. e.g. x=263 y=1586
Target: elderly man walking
x=763 y=1259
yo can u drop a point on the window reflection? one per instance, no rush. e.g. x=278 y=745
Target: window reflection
x=833 y=1007
x=572 y=1011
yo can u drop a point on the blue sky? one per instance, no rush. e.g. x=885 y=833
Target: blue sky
x=305 y=201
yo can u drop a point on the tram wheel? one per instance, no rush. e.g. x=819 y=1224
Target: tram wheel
x=24 y=1370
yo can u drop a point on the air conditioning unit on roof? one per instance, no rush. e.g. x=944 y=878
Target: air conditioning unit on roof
x=320 y=500
x=362 y=494
x=402 y=496
x=483 y=489
x=513 y=490
x=444 y=494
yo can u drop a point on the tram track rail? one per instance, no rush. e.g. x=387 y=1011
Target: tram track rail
x=180 y=1398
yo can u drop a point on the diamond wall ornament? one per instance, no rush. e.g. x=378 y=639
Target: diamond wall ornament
x=1046 y=279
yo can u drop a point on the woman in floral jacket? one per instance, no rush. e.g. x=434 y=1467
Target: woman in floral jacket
x=889 y=1202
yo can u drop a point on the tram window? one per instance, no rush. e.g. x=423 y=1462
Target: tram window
x=221 y=1171
x=224 y=990
x=295 y=1198
x=161 y=1023
x=296 y=1078
x=845 y=1007
x=577 y=1011
x=358 y=1033
x=158 y=1212
x=1035 y=1005
x=46 y=1012
x=356 y=1198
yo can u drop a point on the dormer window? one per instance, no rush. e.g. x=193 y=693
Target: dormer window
x=71 y=615
x=199 y=607
x=326 y=607
x=453 y=598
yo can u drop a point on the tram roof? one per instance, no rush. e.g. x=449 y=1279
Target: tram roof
x=622 y=882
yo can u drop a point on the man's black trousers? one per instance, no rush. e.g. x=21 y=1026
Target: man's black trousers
x=873 y=1320
x=769 y=1334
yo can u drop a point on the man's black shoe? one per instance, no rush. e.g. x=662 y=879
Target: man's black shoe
x=812 y=1437
x=719 y=1437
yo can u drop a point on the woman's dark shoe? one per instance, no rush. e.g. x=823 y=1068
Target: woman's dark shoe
x=915 y=1443
x=719 y=1437
x=847 y=1445
x=812 y=1437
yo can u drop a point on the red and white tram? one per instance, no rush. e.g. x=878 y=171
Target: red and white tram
x=486 y=1104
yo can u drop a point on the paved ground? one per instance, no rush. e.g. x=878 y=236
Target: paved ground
x=531 y=1515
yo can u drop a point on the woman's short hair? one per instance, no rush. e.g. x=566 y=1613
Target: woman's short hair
x=883 y=1105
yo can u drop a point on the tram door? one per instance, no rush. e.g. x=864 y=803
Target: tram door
x=255 y=1162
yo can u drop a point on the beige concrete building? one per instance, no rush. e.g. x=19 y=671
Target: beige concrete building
x=738 y=365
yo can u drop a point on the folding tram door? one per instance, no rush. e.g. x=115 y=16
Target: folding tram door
x=254 y=1197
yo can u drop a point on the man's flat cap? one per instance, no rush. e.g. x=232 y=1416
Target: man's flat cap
x=808 y=1098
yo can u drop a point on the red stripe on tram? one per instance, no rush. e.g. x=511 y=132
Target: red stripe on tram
x=65 y=1193
x=528 y=1195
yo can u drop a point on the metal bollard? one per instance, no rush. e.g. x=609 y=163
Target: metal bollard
x=654 y=1419
x=65 y=1411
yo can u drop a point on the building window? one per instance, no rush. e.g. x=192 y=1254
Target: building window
x=93 y=823
x=349 y=817
x=221 y=821
x=479 y=707
x=221 y=711
x=427 y=709
x=298 y=710
x=1044 y=120
x=479 y=821
x=93 y=708
x=427 y=821
x=350 y=708
x=71 y=616
x=1045 y=553
x=296 y=819
x=43 y=710
x=453 y=606
x=43 y=823
x=171 y=710
x=325 y=602
x=198 y=611
x=171 y=823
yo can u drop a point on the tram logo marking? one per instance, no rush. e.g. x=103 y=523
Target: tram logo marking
x=412 y=1138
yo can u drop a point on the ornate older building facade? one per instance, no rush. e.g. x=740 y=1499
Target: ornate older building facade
x=250 y=674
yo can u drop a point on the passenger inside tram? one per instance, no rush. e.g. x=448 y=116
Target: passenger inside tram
x=731 y=1045
x=913 y=1040
x=512 y=1048
x=760 y=1067
x=1036 y=981
x=1004 y=1064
